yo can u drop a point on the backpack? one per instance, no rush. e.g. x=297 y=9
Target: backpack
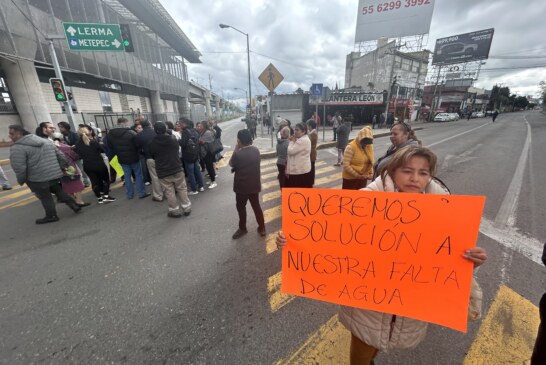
x=191 y=151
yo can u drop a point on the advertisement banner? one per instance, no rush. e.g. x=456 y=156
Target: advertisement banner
x=467 y=47
x=392 y=19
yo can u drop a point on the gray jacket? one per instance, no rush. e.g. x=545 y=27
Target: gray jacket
x=282 y=151
x=36 y=159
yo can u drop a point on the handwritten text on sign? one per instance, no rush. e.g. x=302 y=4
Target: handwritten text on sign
x=390 y=252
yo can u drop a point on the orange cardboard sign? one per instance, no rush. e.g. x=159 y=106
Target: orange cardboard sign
x=396 y=253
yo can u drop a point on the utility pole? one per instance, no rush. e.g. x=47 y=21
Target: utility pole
x=59 y=75
x=433 y=103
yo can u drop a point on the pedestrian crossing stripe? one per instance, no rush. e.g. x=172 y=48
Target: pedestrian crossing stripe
x=14 y=195
x=506 y=336
x=277 y=299
x=329 y=345
x=507 y=333
x=274 y=174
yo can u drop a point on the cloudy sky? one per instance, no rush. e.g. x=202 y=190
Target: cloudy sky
x=308 y=40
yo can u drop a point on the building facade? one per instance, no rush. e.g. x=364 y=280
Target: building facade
x=102 y=85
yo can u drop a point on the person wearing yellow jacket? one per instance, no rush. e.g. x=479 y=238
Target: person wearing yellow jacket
x=358 y=160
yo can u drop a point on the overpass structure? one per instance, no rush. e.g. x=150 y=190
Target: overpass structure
x=153 y=80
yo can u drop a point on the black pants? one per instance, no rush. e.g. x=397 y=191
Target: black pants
x=43 y=191
x=254 y=199
x=335 y=133
x=312 y=173
x=100 y=181
x=282 y=175
x=209 y=165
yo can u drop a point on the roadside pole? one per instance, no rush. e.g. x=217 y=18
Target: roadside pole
x=59 y=75
x=270 y=109
x=432 y=105
x=324 y=121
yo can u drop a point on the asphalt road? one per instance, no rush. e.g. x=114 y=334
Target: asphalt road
x=122 y=283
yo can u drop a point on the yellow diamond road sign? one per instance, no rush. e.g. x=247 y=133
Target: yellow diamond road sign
x=271 y=77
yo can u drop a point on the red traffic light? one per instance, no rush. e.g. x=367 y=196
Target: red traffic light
x=58 y=89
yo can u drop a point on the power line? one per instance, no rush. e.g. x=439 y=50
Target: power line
x=511 y=68
x=29 y=20
x=281 y=60
x=516 y=57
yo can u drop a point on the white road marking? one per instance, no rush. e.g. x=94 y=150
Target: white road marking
x=455 y=136
x=507 y=211
x=509 y=237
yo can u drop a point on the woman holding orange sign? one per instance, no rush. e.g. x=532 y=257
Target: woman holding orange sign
x=410 y=170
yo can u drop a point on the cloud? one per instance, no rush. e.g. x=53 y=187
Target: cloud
x=308 y=41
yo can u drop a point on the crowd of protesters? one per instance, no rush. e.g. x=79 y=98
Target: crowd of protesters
x=163 y=155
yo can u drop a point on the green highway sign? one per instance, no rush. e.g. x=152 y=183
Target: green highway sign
x=93 y=37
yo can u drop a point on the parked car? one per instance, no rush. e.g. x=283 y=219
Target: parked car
x=453 y=116
x=478 y=114
x=442 y=117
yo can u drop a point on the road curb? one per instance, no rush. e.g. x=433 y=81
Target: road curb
x=324 y=145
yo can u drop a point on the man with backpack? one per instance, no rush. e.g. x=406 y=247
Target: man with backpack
x=189 y=143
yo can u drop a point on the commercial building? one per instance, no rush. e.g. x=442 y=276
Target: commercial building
x=103 y=85
x=456 y=96
x=385 y=68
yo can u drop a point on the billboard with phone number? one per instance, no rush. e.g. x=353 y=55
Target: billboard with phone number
x=467 y=47
x=392 y=19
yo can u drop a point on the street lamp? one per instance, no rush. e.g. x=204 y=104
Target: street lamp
x=223 y=26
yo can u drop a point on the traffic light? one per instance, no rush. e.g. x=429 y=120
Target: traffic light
x=126 y=36
x=59 y=89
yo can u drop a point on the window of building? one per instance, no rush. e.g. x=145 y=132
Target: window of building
x=397 y=62
x=6 y=102
x=406 y=64
x=105 y=101
x=415 y=67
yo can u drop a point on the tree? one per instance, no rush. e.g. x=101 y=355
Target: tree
x=542 y=86
x=521 y=102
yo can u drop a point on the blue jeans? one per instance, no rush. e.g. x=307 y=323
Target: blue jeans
x=194 y=174
x=135 y=168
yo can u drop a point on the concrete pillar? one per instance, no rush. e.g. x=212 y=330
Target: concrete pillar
x=207 y=104
x=184 y=107
x=218 y=109
x=26 y=90
x=157 y=104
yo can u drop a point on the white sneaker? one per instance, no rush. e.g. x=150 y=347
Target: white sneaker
x=201 y=189
x=213 y=185
x=193 y=193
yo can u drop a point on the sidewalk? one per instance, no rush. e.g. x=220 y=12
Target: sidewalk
x=266 y=151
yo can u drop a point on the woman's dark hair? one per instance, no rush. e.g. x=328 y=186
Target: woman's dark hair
x=145 y=123
x=302 y=127
x=204 y=124
x=402 y=157
x=311 y=123
x=406 y=128
x=65 y=125
x=170 y=125
x=187 y=122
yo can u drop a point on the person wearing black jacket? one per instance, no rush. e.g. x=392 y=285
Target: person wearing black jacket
x=122 y=141
x=142 y=141
x=190 y=156
x=90 y=151
x=164 y=150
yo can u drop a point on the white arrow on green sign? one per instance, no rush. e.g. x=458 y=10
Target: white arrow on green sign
x=93 y=37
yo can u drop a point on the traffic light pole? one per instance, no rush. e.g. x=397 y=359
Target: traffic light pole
x=59 y=75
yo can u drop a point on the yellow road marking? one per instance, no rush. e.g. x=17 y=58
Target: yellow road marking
x=225 y=161
x=270 y=245
x=14 y=195
x=277 y=299
x=274 y=174
x=272 y=213
x=268 y=168
x=20 y=203
x=277 y=194
x=329 y=345
x=327 y=179
x=507 y=333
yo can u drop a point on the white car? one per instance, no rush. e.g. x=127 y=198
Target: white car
x=453 y=116
x=442 y=117
x=478 y=114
